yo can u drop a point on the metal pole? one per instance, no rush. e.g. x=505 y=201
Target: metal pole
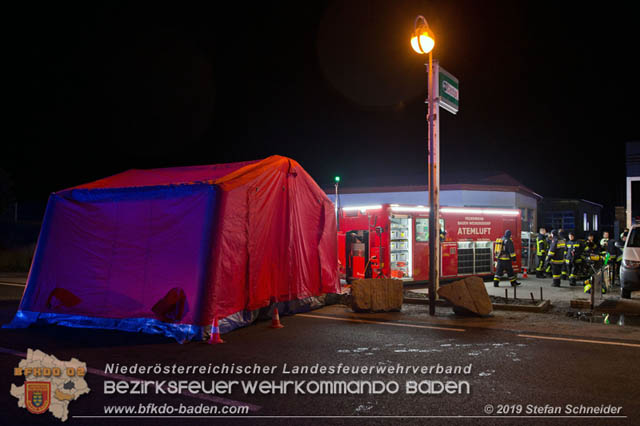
x=530 y=248
x=629 y=200
x=434 y=186
x=337 y=209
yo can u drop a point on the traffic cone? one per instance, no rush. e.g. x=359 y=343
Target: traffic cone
x=524 y=274
x=275 y=319
x=215 y=333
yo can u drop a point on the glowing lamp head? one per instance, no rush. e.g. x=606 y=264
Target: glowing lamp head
x=337 y=179
x=423 y=40
x=422 y=43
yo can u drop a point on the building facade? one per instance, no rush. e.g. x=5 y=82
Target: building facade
x=633 y=182
x=580 y=216
x=500 y=192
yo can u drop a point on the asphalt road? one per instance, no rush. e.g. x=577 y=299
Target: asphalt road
x=509 y=372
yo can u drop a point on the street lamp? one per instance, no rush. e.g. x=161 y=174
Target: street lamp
x=423 y=42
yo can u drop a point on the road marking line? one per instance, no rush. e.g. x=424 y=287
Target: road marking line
x=13 y=285
x=216 y=399
x=568 y=339
x=395 y=324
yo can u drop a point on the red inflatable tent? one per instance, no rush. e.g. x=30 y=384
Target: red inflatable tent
x=167 y=250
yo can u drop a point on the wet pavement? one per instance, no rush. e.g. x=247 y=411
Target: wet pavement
x=518 y=360
x=509 y=361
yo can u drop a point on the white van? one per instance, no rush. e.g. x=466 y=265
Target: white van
x=630 y=268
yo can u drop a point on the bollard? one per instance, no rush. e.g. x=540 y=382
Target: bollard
x=541 y=299
x=532 y=298
x=515 y=294
x=506 y=294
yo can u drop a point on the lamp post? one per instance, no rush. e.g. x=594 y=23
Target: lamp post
x=423 y=42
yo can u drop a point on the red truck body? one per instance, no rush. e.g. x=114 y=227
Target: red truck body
x=391 y=240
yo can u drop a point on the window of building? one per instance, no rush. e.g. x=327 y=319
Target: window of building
x=595 y=222
x=560 y=220
x=526 y=216
x=585 y=222
x=529 y=225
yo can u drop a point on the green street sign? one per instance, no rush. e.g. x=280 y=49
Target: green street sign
x=449 y=91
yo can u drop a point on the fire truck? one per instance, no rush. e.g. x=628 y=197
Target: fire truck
x=392 y=240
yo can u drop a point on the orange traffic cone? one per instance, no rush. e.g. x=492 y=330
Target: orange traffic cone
x=524 y=274
x=275 y=319
x=215 y=333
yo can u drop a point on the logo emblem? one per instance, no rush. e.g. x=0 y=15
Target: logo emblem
x=37 y=396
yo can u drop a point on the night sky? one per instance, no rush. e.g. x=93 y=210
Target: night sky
x=548 y=93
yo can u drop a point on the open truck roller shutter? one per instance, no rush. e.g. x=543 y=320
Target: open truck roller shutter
x=390 y=240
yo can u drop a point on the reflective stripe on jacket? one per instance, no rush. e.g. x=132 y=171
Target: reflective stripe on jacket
x=574 y=250
x=556 y=252
x=508 y=252
x=541 y=245
x=590 y=246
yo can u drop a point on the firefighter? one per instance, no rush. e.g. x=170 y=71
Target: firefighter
x=604 y=243
x=555 y=257
x=624 y=233
x=573 y=258
x=623 y=241
x=590 y=246
x=547 y=270
x=611 y=255
x=616 y=261
x=542 y=246
x=562 y=246
x=505 y=255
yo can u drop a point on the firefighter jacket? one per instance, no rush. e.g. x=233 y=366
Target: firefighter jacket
x=542 y=245
x=556 y=252
x=590 y=246
x=562 y=244
x=504 y=249
x=574 y=250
